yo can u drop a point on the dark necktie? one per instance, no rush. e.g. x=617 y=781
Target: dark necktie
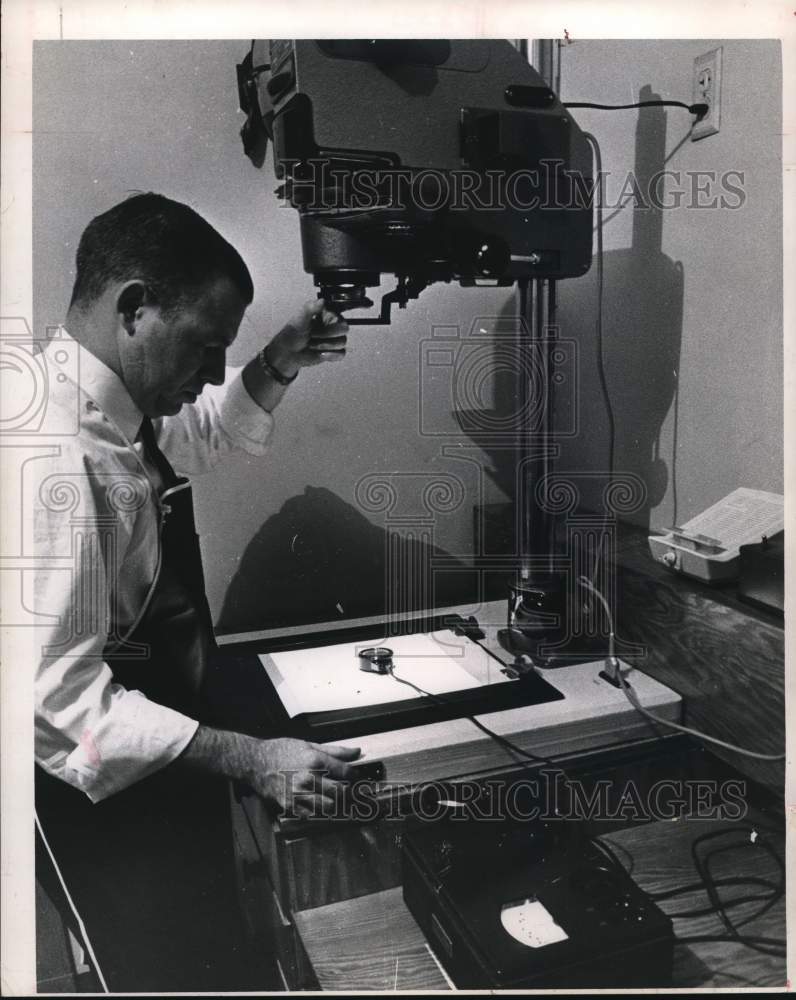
x=177 y=627
x=155 y=455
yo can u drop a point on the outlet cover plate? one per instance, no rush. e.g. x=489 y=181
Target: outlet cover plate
x=707 y=87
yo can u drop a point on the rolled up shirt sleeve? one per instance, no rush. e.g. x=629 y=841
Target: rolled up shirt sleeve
x=89 y=731
x=102 y=738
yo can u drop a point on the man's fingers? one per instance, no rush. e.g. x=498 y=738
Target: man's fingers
x=330 y=332
x=327 y=342
x=336 y=768
x=312 y=315
x=337 y=759
x=330 y=789
x=335 y=750
x=308 y=807
x=330 y=318
x=317 y=308
x=326 y=346
x=317 y=782
x=323 y=802
x=312 y=358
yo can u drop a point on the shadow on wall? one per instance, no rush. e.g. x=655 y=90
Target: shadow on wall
x=641 y=334
x=513 y=376
x=319 y=560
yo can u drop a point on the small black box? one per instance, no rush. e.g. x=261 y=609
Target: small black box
x=510 y=905
x=762 y=574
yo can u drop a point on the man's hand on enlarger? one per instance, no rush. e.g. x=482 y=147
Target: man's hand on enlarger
x=314 y=335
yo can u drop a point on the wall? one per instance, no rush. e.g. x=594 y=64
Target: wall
x=286 y=536
x=692 y=296
x=692 y=317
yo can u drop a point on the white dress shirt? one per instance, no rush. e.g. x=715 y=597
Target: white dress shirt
x=96 y=525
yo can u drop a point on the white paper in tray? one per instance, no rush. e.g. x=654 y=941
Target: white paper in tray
x=328 y=677
x=742 y=517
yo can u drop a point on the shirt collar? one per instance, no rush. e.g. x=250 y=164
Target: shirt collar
x=97 y=381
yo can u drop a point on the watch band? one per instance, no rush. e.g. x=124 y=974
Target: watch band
x=274 y=373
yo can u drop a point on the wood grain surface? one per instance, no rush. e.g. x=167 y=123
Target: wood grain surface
x=370 y=943
x=373 y=943
x=726 y=658
x=659 y=859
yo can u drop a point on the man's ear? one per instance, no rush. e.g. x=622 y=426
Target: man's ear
x=131 y=297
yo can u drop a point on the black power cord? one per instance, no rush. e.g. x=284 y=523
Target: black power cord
x=709 y=884
x=501 y=740
x=765 y=945
x=700 y=109
x=601 y=374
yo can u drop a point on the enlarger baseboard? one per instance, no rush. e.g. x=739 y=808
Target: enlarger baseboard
x=593 y=714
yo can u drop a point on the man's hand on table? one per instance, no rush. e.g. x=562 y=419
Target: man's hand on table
x=302 y=778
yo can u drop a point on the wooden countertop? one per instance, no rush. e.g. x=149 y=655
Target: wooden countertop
x=373 y=943
x=725 y=657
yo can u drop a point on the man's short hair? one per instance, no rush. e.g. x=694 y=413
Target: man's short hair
x=166 y=244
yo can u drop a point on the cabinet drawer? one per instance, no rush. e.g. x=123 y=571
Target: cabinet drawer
x=326 y=866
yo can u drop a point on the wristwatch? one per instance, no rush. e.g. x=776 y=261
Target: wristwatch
x=274 y=373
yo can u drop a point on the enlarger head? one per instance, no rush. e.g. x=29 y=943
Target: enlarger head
x=430 y=160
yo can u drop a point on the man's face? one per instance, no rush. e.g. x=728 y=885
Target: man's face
x=166 y=360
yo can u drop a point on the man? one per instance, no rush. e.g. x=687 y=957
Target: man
x=158 y=298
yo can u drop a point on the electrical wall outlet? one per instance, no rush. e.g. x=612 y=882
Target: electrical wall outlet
x=707 y=90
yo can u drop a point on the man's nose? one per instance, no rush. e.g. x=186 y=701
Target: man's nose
x=214 y=367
